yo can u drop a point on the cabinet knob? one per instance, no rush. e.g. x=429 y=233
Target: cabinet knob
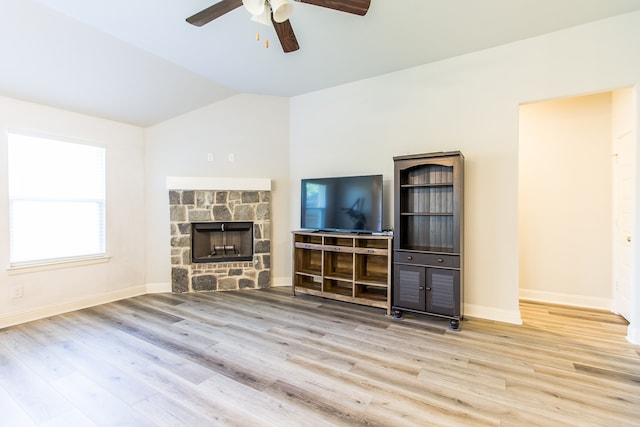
x=440 y=260
x=421 y=288
x=409 y=257
x=428 y=289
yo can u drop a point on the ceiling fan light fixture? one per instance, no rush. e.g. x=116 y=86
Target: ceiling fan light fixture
x=278 y=13
x=282 y=10
x=255 y=7
x=264 y=18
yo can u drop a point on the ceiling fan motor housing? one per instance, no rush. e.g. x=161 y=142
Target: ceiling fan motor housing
x=278 y=11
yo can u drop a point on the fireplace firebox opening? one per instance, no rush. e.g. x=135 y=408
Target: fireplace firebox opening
x=227 y=241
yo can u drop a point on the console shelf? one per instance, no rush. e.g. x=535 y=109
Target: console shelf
x=345 y=267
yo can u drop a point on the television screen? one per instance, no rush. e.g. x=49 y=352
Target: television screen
x=352 y=203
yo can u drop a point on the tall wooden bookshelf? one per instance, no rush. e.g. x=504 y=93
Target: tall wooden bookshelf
x=428 y=243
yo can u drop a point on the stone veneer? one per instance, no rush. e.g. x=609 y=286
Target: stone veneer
x=187 y=206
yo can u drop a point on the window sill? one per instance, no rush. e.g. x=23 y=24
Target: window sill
x=54 y=265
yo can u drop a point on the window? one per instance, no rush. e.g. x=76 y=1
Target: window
x=56 y=200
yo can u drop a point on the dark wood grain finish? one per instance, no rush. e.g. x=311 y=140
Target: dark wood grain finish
x=265 y=358
x=213 y=12
x=428 y=231
x=357 y=7
x=287 y=37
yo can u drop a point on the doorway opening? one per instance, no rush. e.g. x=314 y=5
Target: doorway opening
x=575 y=186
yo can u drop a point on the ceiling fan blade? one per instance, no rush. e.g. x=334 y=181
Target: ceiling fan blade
x=286 y=35
x=357 y=7
x=212 y=12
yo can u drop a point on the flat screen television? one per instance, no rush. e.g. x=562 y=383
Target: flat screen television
x=347 y=204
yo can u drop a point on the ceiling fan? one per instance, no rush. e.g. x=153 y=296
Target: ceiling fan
x=276 y=13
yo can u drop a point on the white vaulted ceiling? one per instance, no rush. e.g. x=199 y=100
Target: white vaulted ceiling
x=140 y=62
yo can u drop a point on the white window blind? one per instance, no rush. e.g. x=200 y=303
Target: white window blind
x=56 y=200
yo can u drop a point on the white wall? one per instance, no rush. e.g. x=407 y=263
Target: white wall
x=468 y=103
x=253 y=128
x=53 y=291
x=565 y=201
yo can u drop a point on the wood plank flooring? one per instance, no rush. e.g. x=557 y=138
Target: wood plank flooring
x=265 y=358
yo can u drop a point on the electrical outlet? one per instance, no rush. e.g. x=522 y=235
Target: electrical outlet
x=16 y=291
x=210 y=157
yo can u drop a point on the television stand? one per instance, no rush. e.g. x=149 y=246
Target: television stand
x=346 y=267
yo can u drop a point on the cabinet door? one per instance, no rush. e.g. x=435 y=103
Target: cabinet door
x=409 y=287
x=443 y=288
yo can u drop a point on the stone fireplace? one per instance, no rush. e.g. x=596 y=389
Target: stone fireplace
x=220 y=238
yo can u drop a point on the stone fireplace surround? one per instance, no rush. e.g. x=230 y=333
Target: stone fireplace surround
x=195 y=199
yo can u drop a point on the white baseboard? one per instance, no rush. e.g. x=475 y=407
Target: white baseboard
x=471 y=310
x=492 y=313
x=10 y=319
x=281 y=281
x=566 y=299
x=633 y=335
x=29 y=315
x=15 y=318
x=158 y=288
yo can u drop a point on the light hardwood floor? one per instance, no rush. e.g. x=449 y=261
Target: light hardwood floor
x=254 y=358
